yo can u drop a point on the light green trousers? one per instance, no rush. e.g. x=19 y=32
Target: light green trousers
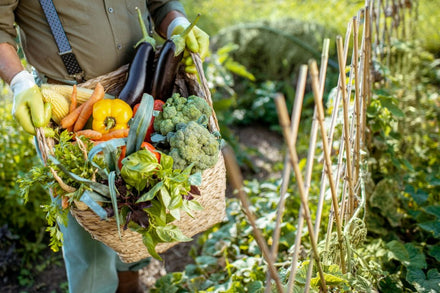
x=91 y=266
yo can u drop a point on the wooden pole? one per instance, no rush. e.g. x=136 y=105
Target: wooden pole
x=309 y=167
x=345 y=104
x=357 y=97
x=327 y=158
x=285 y=125
x=296 y=114
x=236 y=179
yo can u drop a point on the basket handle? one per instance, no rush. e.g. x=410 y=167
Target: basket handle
x=205 y=89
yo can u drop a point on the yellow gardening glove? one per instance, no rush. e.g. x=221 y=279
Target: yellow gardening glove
x=196 y=41
x=29 y=109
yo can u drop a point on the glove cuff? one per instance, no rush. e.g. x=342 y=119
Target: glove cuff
x=178 y=21
x=21 y=82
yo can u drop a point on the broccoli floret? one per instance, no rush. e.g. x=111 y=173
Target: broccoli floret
x=179 y=109
x=193 y=143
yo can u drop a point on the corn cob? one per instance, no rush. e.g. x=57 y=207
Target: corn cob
x=60 y=105
x=83 y=94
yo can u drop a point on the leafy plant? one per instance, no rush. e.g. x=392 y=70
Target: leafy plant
x=23 y=241
x=229 y=259
x=404 y=162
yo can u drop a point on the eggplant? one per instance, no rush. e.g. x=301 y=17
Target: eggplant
x=167 y=65
x=166 y=71
x=141 y=68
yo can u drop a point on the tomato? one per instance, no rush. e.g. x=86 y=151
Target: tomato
x=152 y=149
x=135 y=108
x=145 y=145
x=158 y=105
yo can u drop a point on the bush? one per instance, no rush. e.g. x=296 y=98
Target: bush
x=27 y=221
x=274 y=49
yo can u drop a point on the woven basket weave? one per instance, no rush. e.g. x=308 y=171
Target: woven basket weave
x=130 y=247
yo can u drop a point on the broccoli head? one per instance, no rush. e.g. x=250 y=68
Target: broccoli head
x=179 y=109
x=193 y=143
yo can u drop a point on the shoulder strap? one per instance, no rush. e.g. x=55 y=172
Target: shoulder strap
x=64 y=49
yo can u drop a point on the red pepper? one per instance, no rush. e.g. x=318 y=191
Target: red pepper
x=158 y=104
x=145 y=145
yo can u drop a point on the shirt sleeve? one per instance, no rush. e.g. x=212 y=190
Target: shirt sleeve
x=8 y=32
x=159 y=9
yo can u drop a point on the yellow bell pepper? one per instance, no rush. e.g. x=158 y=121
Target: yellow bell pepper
x=109 y=115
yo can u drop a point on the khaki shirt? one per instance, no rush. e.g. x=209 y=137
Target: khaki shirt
x=102 y=33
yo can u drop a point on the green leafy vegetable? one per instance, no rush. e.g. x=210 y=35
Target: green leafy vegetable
x=165 y=190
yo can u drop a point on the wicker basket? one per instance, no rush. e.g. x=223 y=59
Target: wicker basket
x=130 y=247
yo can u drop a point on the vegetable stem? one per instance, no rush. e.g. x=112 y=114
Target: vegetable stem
x=190 y=27
x=109 y=122
x=145 y=36
x=179 y=39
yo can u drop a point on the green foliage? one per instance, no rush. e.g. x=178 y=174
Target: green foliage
x=427 y=25
x=25 y=242
x=71 y=157
x=220 y=14
x=404 y=160
x=229 y=259
x=18 y=155
x=165 y=190
x=232 y=88
x=274 y=49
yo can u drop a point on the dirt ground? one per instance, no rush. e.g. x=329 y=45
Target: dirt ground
x=265 y=146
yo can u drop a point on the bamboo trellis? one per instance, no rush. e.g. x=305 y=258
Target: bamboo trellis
x=370 y=33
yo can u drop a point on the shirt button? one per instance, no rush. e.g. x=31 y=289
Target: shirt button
x=110 y=9
x=119 y=46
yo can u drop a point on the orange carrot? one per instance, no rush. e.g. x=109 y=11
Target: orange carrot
x=73 y=104
x=98 y=94
x=118 y=133
x=65 y=202
x=89 y=133
x=71 y=118
x=73 y=101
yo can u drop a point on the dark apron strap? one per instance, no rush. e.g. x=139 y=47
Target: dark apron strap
x=64 y=49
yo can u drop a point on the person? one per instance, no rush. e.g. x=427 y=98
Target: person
x=102 y=35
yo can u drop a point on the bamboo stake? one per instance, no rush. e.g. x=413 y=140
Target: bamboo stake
x=327 y=159
x=345 y=104
x=381 y=33
x=295 y=118
x=357 y=96
x=284 y=123
x=360 y=72
x=315 y=126
x=339 y=171
x=331 y=132
x=352 y=75
x=386 y=35
x=235 y=176
x=341 y=167
x=309 y=166
x=333 y=122
x=377 y=25
x=364 y=79
x=368 y=51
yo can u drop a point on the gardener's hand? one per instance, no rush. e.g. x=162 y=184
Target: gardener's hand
x=28 y=108
x=197 y=41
